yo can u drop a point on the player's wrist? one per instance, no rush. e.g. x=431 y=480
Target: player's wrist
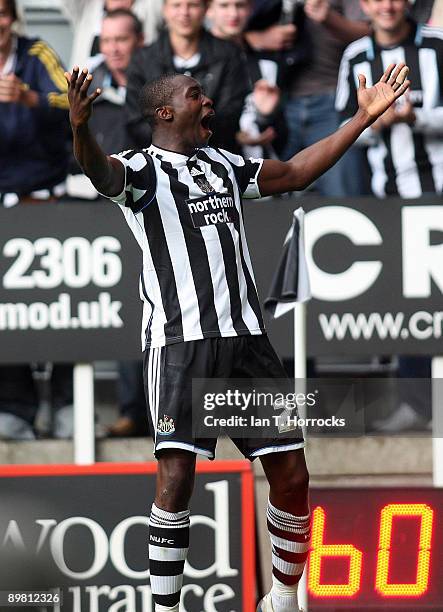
x=364 y=119
x=79 y=127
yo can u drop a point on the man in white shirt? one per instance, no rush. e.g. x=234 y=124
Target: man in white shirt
x=86 y=17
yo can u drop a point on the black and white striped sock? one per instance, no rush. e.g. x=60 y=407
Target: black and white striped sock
x=168 y=547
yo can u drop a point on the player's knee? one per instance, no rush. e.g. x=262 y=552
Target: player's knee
x=293 y=485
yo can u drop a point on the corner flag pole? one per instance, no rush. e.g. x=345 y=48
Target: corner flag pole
x=300 y=350
x=300 y=387
x=300 y=355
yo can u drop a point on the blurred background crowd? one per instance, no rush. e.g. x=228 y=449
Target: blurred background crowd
x=282 y=75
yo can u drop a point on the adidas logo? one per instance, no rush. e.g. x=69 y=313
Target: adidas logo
x=196 y=172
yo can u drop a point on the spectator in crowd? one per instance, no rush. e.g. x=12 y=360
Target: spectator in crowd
x=275 y=31
x=262 y=125
x=33 y=116
x=187 y=48
x=33 y=166
x=87 y=16
x=405 y=146
x=328 y=25
x=227 y=18
x=121 y=35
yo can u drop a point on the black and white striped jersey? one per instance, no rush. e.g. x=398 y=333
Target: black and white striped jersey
x=403 y=160
x=186 y=214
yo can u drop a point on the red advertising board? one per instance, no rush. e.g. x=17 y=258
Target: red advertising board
x=87 y=526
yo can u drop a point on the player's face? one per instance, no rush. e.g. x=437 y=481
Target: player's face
x=113 y=5
x=184 y=17
x=386 y=15
x=6 y=21
x=118 y=42
x=192 y=112
x=228 y=17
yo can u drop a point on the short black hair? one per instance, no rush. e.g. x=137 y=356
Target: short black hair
x=155 y=94
x=11 y=7
x=137 y=24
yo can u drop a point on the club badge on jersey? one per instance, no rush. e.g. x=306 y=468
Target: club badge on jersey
x=200 y=178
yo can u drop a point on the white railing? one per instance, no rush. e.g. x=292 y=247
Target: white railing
x=84 y=425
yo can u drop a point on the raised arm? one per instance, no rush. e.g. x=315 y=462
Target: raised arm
x=305 y=167
x=344 y=29
x=106 y=173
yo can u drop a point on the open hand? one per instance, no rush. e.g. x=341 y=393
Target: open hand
x=79 y=100
x=374 y=101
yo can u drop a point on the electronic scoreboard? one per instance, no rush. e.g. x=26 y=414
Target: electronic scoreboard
x=376 y=549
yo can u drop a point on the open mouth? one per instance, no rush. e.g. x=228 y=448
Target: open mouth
x=206 y=121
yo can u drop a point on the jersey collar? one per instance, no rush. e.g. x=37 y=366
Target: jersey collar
x=172 y=156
